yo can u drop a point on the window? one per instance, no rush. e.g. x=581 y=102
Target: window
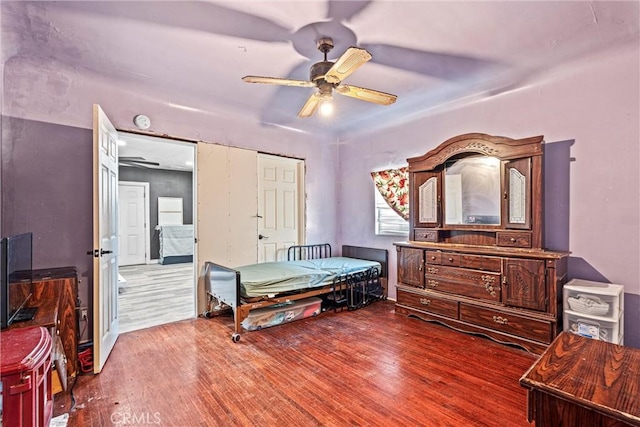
x=388 y=222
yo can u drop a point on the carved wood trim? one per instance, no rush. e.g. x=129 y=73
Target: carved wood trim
x=497 y=146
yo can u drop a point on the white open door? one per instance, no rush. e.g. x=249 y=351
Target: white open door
x=105 y=238
x=280 y=206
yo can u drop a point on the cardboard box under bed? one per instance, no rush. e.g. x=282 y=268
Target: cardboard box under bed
x=277 y=315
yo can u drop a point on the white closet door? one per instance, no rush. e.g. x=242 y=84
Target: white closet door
x=227 y=205
x=280 y=206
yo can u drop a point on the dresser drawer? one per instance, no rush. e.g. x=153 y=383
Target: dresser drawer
x=443 y=258
x=450 y=259
x=462 y=281
x=428 y=302
x=425 y=235
x=538 y=330
x=480 y=262
x=433 y=257
x=514 y=239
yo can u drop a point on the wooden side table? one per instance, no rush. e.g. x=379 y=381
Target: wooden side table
x=579 y=381
x=25 y=370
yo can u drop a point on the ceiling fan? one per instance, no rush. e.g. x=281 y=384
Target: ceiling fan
x=136 y=162
x=327 y=76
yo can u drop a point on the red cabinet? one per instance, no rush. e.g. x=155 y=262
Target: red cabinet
x=25 y=370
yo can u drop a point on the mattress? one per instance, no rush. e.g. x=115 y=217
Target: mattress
x=272 y=278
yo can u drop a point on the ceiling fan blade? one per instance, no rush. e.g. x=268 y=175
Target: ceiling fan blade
x=278 y=81
x=311 y=106
x=341 y=10
x=365 y=94
x=351 y=60
x=205 y=17
x=135 y=160
x=442 y=65
x=138 y=162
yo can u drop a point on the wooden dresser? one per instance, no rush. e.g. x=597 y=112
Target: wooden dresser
x=579 y=382
x=475 y=259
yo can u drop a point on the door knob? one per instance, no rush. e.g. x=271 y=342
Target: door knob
x=103 y=252
x=260 y=236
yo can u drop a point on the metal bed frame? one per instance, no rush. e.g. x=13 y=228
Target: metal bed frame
x=224 y=284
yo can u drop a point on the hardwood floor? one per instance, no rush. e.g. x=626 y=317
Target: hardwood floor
x=368 y=367
x=155 y=294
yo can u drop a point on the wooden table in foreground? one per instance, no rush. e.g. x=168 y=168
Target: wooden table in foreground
x=584 y=382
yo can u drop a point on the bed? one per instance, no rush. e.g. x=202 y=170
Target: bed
x=176 y=243
x=351 y=280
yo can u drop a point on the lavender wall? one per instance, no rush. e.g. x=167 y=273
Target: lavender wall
x=47 y=189
x=589 y=114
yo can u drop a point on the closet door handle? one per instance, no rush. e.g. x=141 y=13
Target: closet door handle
x=103 y=252
x=260 y=237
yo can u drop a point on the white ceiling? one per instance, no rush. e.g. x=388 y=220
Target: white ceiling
x=168 y=154
x=192 y=55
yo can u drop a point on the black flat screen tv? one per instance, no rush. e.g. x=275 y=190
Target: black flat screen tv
x=16 y=276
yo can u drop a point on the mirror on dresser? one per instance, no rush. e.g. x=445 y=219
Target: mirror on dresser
x=478 y=189
x=472 y=191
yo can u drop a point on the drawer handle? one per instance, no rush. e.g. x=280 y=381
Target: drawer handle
x=488 y=284
x=433 y=258
x=432 y=283
x=421 y=266
x=513 y=239
x=450 y=259
x=432 y=270
x=24 y=385
x=500 y=320
x=425 y=301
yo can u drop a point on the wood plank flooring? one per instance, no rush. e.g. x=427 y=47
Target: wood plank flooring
x=155 y=294
x=368 y=367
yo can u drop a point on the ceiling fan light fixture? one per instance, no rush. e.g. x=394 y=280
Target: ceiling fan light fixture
x=326 y=108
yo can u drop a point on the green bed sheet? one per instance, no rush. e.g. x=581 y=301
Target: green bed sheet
x=272 y=278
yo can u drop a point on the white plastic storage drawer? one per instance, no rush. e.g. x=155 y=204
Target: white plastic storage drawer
x=594 y=299
x=591 y=327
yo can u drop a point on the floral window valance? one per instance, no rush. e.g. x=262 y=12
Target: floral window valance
x=393 y=185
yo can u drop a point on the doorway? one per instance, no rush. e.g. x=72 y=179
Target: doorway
x=156 y=283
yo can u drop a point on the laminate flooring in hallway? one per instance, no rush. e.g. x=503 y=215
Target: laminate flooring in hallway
x=155 y=294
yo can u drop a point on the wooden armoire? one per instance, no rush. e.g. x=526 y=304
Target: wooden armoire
x=475 y=260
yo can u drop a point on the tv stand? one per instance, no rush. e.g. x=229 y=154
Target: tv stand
x=25 y=314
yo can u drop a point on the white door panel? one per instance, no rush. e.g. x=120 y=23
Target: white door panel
x=134 y=235
x=105 y=238
x=280 y=206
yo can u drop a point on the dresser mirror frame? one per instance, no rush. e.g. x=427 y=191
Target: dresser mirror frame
x=518 y=202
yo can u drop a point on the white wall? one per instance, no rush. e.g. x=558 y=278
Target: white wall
x=589 y=114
